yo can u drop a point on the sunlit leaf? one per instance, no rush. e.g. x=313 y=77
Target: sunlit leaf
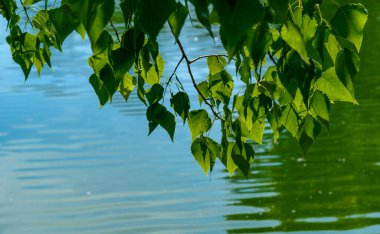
x=294 y=38
x=289 y=119
x=205 y=151
x=348 y=23
x=127 y=85
x=330 y=84
x=199 y=122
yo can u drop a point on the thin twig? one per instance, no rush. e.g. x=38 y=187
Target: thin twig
x=272 y=58
x=26 y=13
x=114 y=28
x=188 y=62
x=171 y=76
x=175 y=69
x=207 y=56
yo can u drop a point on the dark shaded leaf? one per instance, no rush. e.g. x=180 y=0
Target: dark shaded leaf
x=181 y=104
x=151 y=15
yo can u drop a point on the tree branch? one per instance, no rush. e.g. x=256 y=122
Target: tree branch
x=26 y=13
x=116 y=32
x=207 y=56
x=173 y=73
x=175 y=69
x=188 y=63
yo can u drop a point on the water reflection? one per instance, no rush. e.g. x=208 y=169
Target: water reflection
x=336 y=187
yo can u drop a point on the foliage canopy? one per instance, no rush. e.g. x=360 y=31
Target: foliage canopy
x=294 y=59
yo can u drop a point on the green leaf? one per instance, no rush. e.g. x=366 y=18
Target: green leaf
x=24 y=62
x=274 y=121
x=243 y=157
x=127 y=85
x=122 y=61
x=330 y=84
x=226 y=157
x=94 y=14
x=151 y=71
x=281 y=8
x=155 y=93
x=308 y=131
x=294 y=38
x=27 y=42
x=347 y=67
x=40 y=21
x=177 y=19
x=309 y=5
x=151 y=15
x=102 y=52
x=38 y=60
x=100 y=89
x=257 y=130
x=199 y=122
x=157 y=114
x=216 y=64
x=8 y=9
x=181 y=104
x=132 y=40
x=348 y=23
x=108 y=78
x=237 y=17
x=203 y=14
x=140 y=89
x=128 y=8
x=205 y=151
x=307 y=25
x=289 y=119
x=221 y=86
x=333 y=48
x=320 y=106
x=30 y=2
x=64 y=21
x=168 y=123
x=81 y=31
x=203 y=88
x=259 y=41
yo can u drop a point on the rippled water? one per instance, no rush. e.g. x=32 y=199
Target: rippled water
x=68 y=167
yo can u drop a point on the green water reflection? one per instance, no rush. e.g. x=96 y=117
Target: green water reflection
x=336 y=187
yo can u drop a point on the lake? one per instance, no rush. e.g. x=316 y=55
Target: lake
x=68 y=167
